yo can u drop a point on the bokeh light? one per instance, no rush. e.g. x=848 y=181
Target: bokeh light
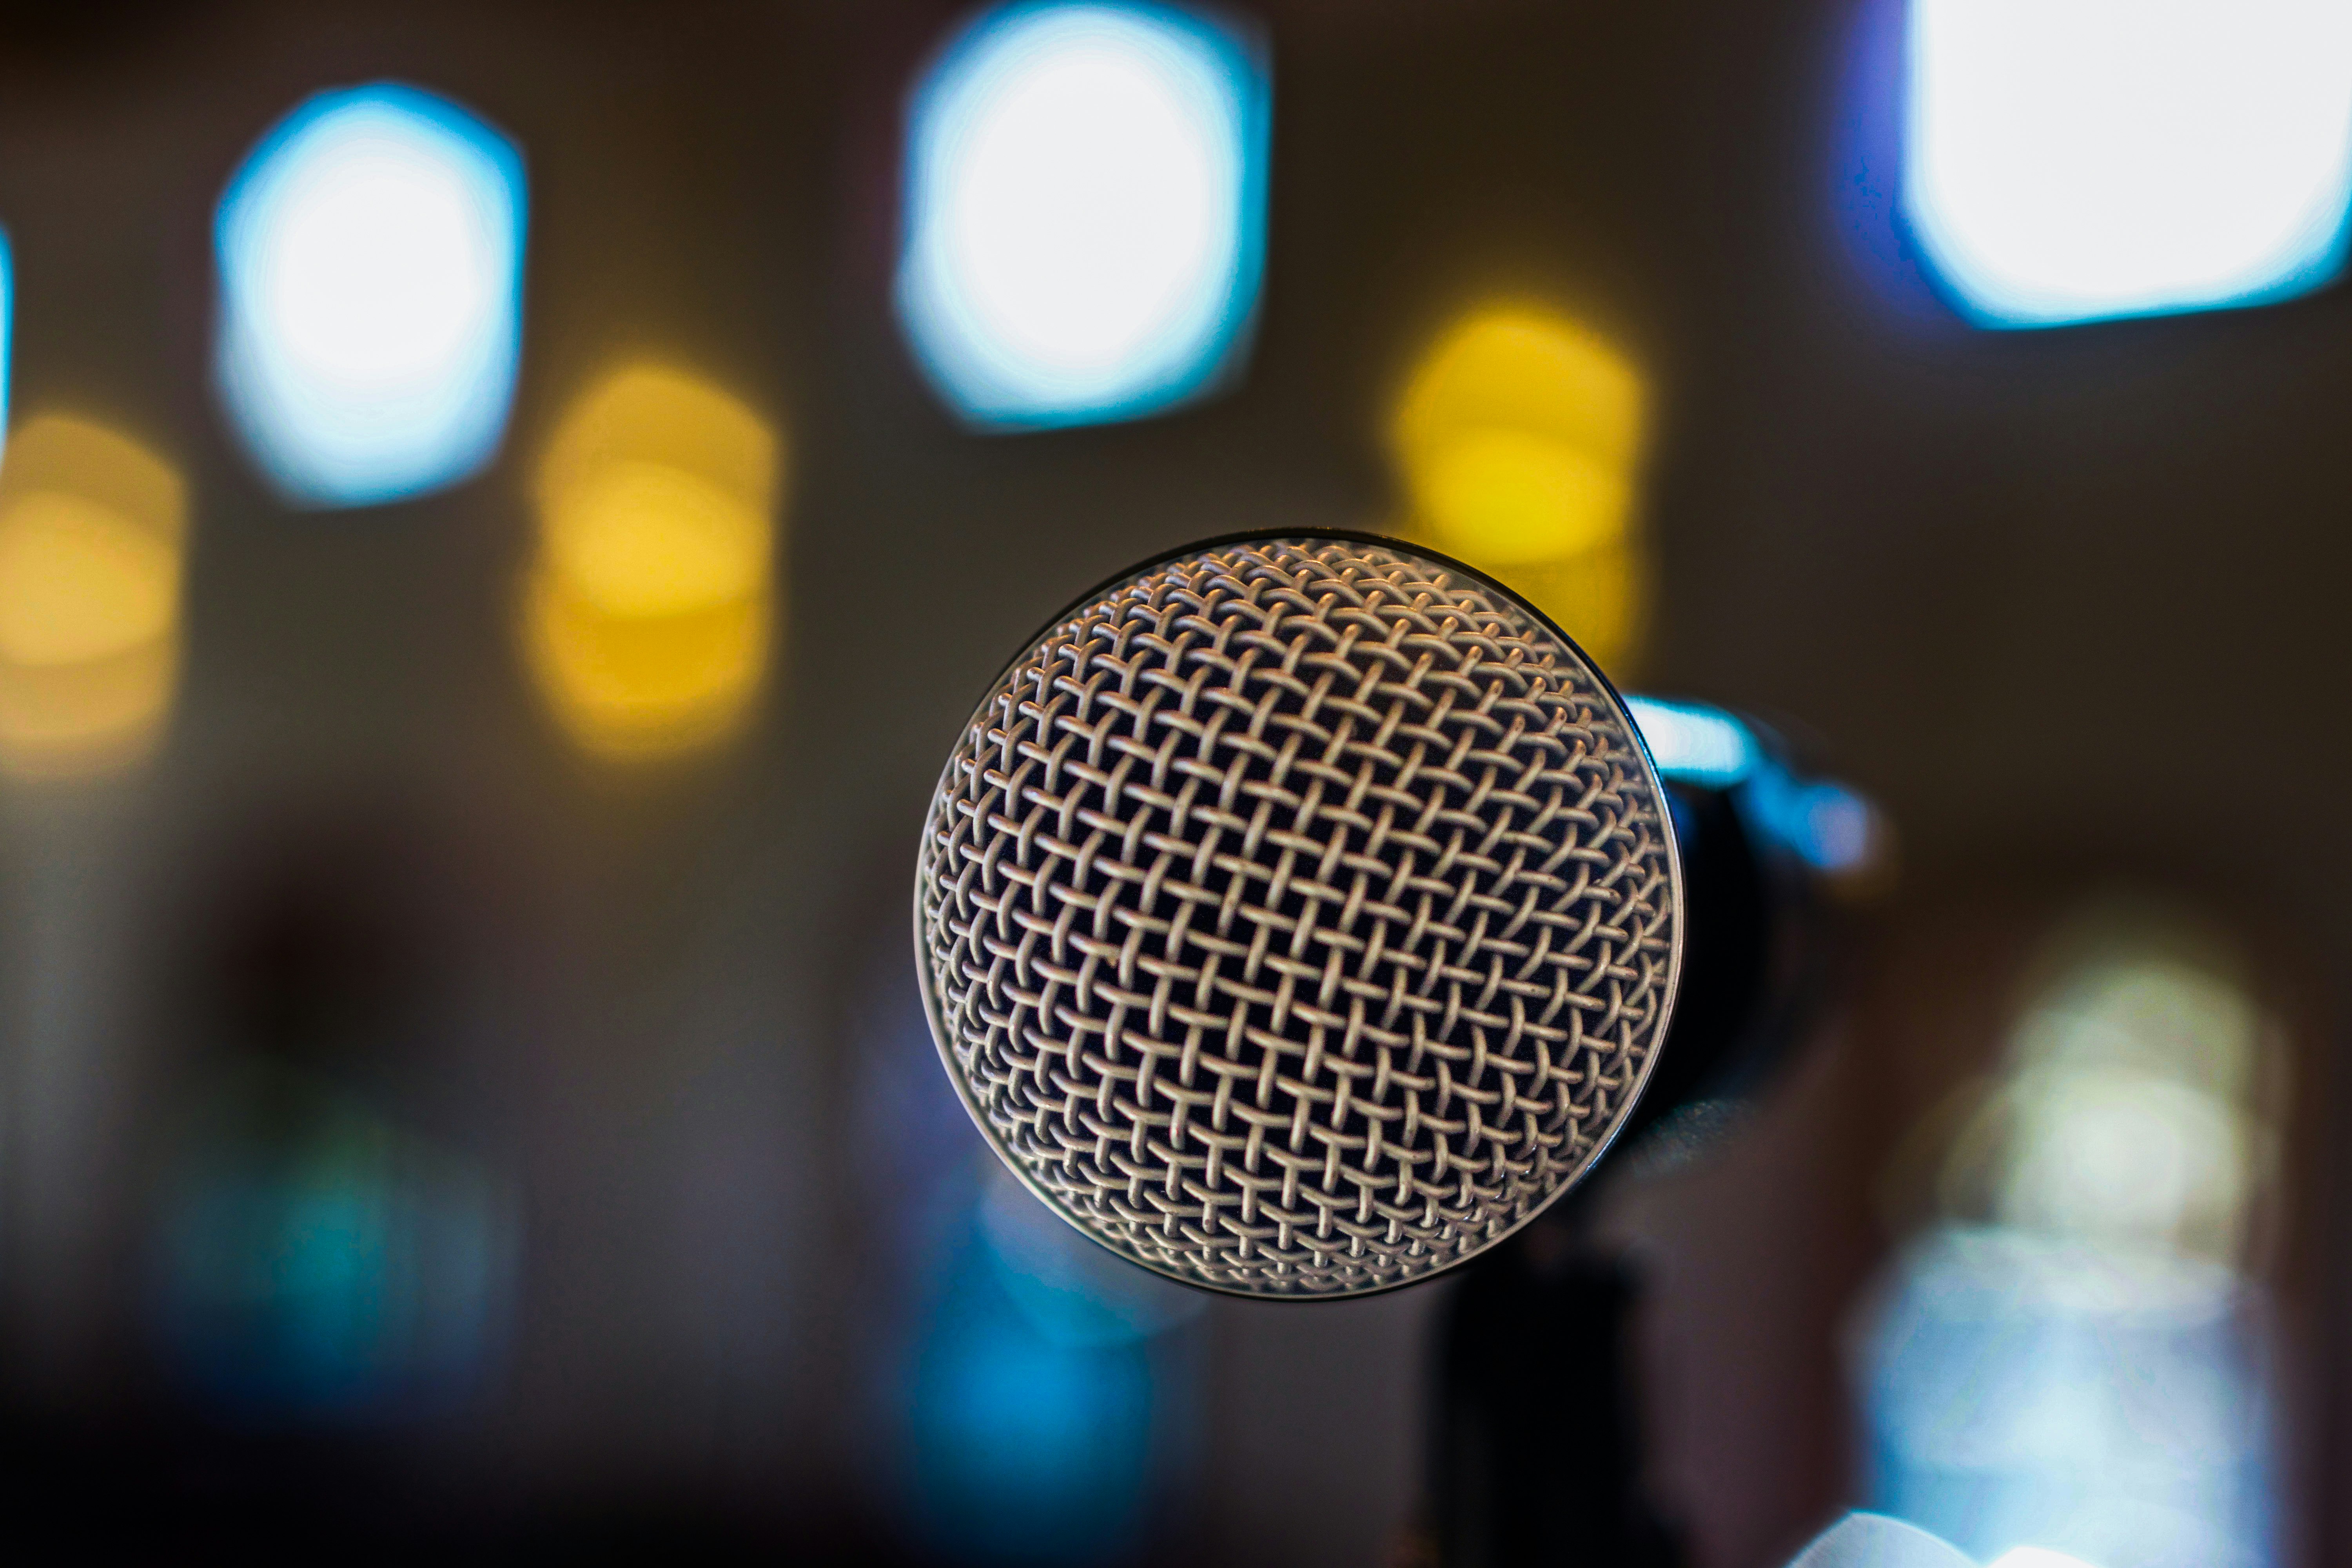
x=1084 y=212
x=1039 y=1390
x=2074 y=1358
x=1029 y=1397
x=650 y=608
x=2068 y=160
x=1836 y=830
x=92 y=536
x=1700 y=744
x=1874 y=1541
x=7 y=327
x=1828 y=827
x=316 y=1261
x=370 y=295
x=1519 y=441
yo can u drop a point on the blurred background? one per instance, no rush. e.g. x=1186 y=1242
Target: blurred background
x=504 y=510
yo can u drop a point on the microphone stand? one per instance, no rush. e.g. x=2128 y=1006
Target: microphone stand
x=1537 y=1461
x=1536 y=1453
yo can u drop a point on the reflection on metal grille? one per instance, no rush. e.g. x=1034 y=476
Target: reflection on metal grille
x=1299 y=916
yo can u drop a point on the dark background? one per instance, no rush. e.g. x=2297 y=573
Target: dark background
x=2067 y=603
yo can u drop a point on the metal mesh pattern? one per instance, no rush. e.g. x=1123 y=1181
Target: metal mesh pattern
x=1298 y=917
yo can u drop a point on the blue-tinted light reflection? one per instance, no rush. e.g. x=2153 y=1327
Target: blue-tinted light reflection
x=1033 y=1396
x=318 y=1262
x=1874 y=1541
x=1034 y=1407
x=1824 y=824
x=2039 y=1557
x=7 y=328
x=2069 y=159
x=1084 y=212
x=2044 y=1391
x=2072 y=1360
x=1698 y=745
x=1074 y=1292
x=370 y=312
x=1834 y=829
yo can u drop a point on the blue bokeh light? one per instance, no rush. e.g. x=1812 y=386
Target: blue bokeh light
x=317 y=1264
x=2072 y=160
x=370 y=295
x=1693 y=743
x=7 y=328
x=1084 y=212
x=2021 y=1390
x=1027 y=1448
x=1030 y=1398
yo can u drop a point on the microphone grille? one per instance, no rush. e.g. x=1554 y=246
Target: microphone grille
x=1299 y=915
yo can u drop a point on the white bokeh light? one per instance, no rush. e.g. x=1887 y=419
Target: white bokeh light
x=1084 y=212
x=2071 y=160
x=2072 y=1366
x=370 y=270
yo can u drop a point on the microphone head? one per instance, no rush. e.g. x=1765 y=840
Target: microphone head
x=1299 y=915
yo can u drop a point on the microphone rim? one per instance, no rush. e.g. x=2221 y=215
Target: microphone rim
x=1668 y=833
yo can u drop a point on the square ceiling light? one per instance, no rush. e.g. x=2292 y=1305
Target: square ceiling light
x=371 y=310
x=1084 y=212
x=2072 y=160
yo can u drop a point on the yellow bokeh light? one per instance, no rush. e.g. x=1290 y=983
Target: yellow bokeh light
x=92 y=534
x=1519 y=440
x=1602 y=598
x=646 y=539
x=79 y=581
x=648 y=615
x=633 y=686
x=651 y=414
x=1510 y=497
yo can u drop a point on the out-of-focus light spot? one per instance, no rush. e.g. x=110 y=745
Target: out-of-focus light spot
x=2154 y=1012
x=1518 y=437
x=8 y=326
x=370 y=312
x=1073 y=1290
x=2111 y=1154
x=81 y=581
x=2037 y=1557
x=2073 y=1361
x=318 y=1262
x=1827 y=825
x=1602 y=598
x=2023 y=1388
x=650 y=610
x=92 y=534
x=1029 y=1444
x=1519 y=440
x=1874 y=1541
x=1084 y=212
x=2069 y=159
x=1036 y=1398
x=2123 y=1123
x=1513 y=496
x=1835 y=829
x=1701 y=745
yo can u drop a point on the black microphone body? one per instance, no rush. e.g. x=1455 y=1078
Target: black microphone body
x=1545 y=1323
x=1303 y=915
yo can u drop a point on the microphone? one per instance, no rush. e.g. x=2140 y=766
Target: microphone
x=1300 y=914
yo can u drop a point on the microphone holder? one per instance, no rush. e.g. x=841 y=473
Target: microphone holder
x=1543 y=1326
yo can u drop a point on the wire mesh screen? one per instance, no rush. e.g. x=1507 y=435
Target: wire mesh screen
x=1299 y=916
